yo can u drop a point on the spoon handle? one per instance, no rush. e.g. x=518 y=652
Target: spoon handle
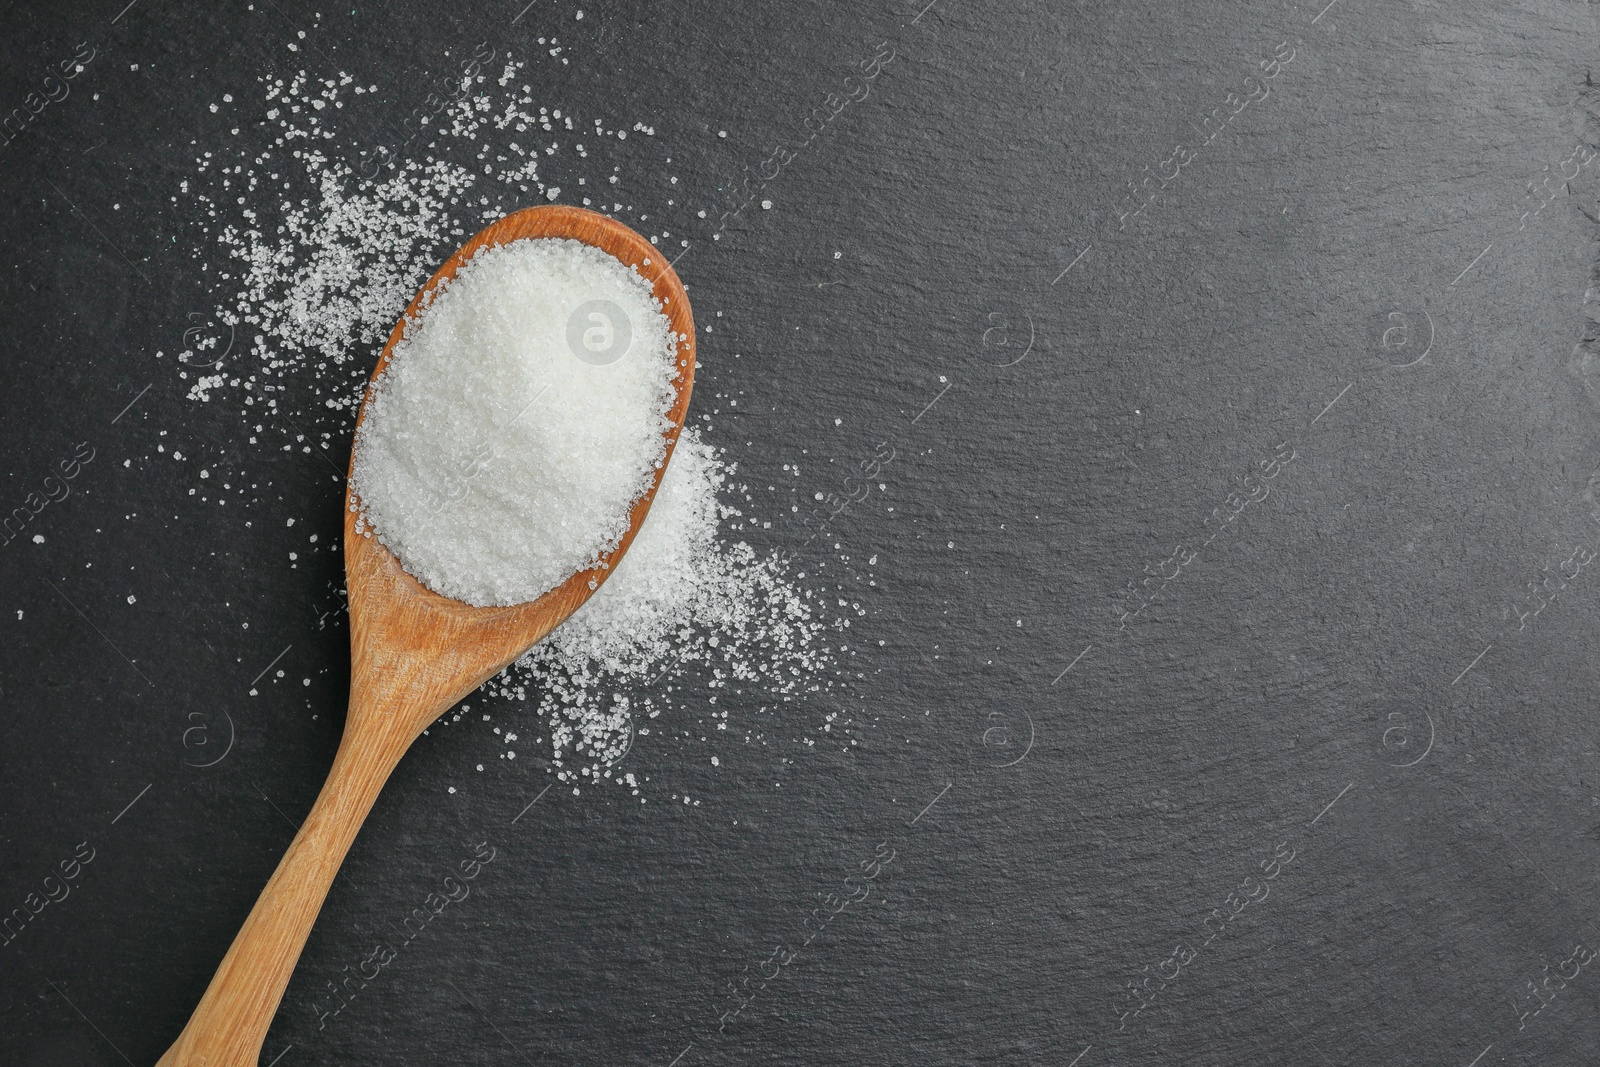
x=231 y=1021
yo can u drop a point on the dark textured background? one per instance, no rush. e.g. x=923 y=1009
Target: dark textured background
x=1085 y=823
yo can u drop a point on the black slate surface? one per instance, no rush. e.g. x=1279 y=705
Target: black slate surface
x=1330 y=798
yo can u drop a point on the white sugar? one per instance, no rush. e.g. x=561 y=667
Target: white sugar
x=308 y=254
x=518 y=421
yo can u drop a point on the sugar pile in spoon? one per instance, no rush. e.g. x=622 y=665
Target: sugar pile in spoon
x=520 y=418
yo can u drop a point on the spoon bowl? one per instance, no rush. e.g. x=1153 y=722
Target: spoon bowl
x=413 y=655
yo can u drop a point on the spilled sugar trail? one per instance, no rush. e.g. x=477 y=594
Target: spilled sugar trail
x=322 y=255
x=686 y=617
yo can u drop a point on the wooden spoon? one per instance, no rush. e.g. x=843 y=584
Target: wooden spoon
x=413 y=655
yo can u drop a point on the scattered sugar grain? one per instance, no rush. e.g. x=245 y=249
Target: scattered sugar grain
x=684 y=601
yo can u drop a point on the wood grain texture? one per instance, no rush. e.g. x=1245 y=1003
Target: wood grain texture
x=413 y=654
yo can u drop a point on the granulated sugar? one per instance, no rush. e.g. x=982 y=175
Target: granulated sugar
x=698 y=631
x=500 y=453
